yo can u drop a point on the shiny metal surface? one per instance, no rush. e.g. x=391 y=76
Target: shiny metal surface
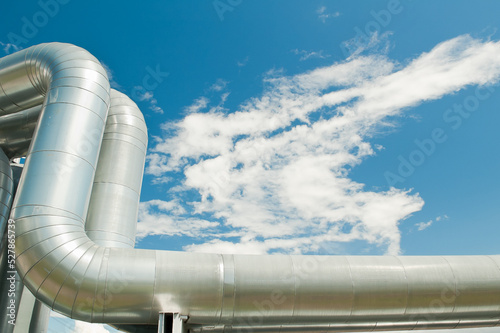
x=6 y=193
x=39 y=318
x=6 y=190
x=122 y=157
x=11 y=287
x=17 y=130
x=96 y=282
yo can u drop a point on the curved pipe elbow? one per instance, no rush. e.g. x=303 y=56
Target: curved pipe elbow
x=60 y=164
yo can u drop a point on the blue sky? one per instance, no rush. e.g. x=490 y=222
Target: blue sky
x=334 y=127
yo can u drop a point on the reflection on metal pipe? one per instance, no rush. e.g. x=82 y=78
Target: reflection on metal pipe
x=6 y=190
x=113 y=223
x=10 y=283
x=81 y=279
x=39 y=318
x=123 y=151
x=17 y=130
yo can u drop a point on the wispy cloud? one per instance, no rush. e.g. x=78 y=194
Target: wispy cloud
x=424 y=225
x=147 y=96
x=219 y=85
x=158 y=217
x=111 y=77
x=9 y=48
x=304 y=55
x=275 y=172
x=140 y=95
x=375 y=43
x=323 y=15
x=198 y=105
x=202 y=103
x=243 y=62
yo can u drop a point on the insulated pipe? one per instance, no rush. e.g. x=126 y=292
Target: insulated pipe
x=113 y=223
x=6 y=190
x=73 y=275
x=17 y=130
x=11 y=287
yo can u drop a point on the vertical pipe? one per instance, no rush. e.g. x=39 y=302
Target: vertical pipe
x=9 y=282
x=39 y=318
x=6 y=190
x=33 y=315
x=114 y=202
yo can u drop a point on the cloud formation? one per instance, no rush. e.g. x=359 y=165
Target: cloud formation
x=274 y=173
x=9 y=48
x=111 y=77
x=323 y=15
x=198 y=105
x=147 y=96
x=304 y=55
x=424 y=225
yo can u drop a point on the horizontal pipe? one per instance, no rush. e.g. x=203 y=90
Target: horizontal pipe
x=81 y=279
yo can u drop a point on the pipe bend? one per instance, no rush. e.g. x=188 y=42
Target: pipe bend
x=54 y=192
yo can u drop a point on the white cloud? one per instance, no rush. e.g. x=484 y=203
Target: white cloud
x=276 y=176
x=112 y=81
x=424 y=225
x=148 y=96
x=157 y=217
x=9 y=48
x=198 y=105
x=202 y=102
x=243 y=62
x=153 y=106
x=323 y=15
x=219 y=85
x=439 y=218
x=304 y=55
x=375 y=43
x=139 y=94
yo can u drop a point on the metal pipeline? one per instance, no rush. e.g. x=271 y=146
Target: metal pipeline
x=6 y=279
x=73 y=275
x=6 y=190
x=123 y=151
x=17 y=130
